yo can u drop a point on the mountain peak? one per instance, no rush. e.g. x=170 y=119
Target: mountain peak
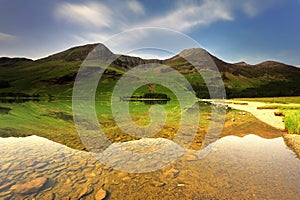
x=80 y=53
x=242 y=63
x=192 y=51
x=270 y=63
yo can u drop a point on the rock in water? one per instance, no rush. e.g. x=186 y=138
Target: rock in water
x=86 y=190
x=191 y=157
x=172 y=173
x=30 y=187
x=101 y=194
x=158 y=184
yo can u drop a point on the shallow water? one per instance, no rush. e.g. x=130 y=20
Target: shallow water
x=237 y=168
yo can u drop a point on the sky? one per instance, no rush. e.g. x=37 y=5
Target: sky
x=247 y=30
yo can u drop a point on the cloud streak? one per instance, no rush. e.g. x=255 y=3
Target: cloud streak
x=136 y=7
x=187 y=16
x=99 y=21
x=6 y=37
x=88 y=14
x=100 y=16
x=112 y=17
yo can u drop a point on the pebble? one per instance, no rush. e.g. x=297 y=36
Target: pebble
x=5 y=186
x=158 y=184
x=86 y=190
x=173 y=173
x=191 y=157
x=48 y=196
x=30 y=163
x=6 y=193
x=93 y=174
x=122 y=174
x=40 y=165
x=101 y=194
x=15 y=166
x=74 y=168
x=5 y=167
x=30 y=187
x=126 y=178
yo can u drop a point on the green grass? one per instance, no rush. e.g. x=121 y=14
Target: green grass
x=292 y=121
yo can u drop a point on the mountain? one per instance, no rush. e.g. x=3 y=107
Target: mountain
x=55 y=74
x=267 y=79
x=10 y=62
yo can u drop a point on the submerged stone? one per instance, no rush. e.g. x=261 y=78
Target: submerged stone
x=30 y=187
x=191 y=157
x=101 y=194
x=158 y=184
x=84 y=191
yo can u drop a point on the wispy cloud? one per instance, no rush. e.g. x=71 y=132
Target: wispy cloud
x=250 y=9
x=6 y=37
x=88 y=14
x=99 y=21
x=112 y=17
x=136 y=7
x=253 y=8
x=189 y=15
x=100 y=16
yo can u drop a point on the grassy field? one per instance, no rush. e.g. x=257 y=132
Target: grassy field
x=292 y=120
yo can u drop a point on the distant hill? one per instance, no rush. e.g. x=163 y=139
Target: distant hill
x=55 y=75
x=10 y=62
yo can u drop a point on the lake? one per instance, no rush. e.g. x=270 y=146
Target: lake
x=247 y=161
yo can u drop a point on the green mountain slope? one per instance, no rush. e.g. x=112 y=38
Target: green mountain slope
x=55 y=75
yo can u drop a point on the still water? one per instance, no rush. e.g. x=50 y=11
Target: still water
x=248 y=167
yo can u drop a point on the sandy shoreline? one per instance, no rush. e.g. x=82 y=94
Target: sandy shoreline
x=267 y=116
x=293 y=141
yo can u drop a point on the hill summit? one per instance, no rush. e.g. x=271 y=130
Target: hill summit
x=55 y=74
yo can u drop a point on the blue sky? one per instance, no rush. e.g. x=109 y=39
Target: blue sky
x=245 y=30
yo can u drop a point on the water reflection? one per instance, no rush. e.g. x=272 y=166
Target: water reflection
x=247 y=167
x=19 y=100
x=4 y=110
x=150 y=102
